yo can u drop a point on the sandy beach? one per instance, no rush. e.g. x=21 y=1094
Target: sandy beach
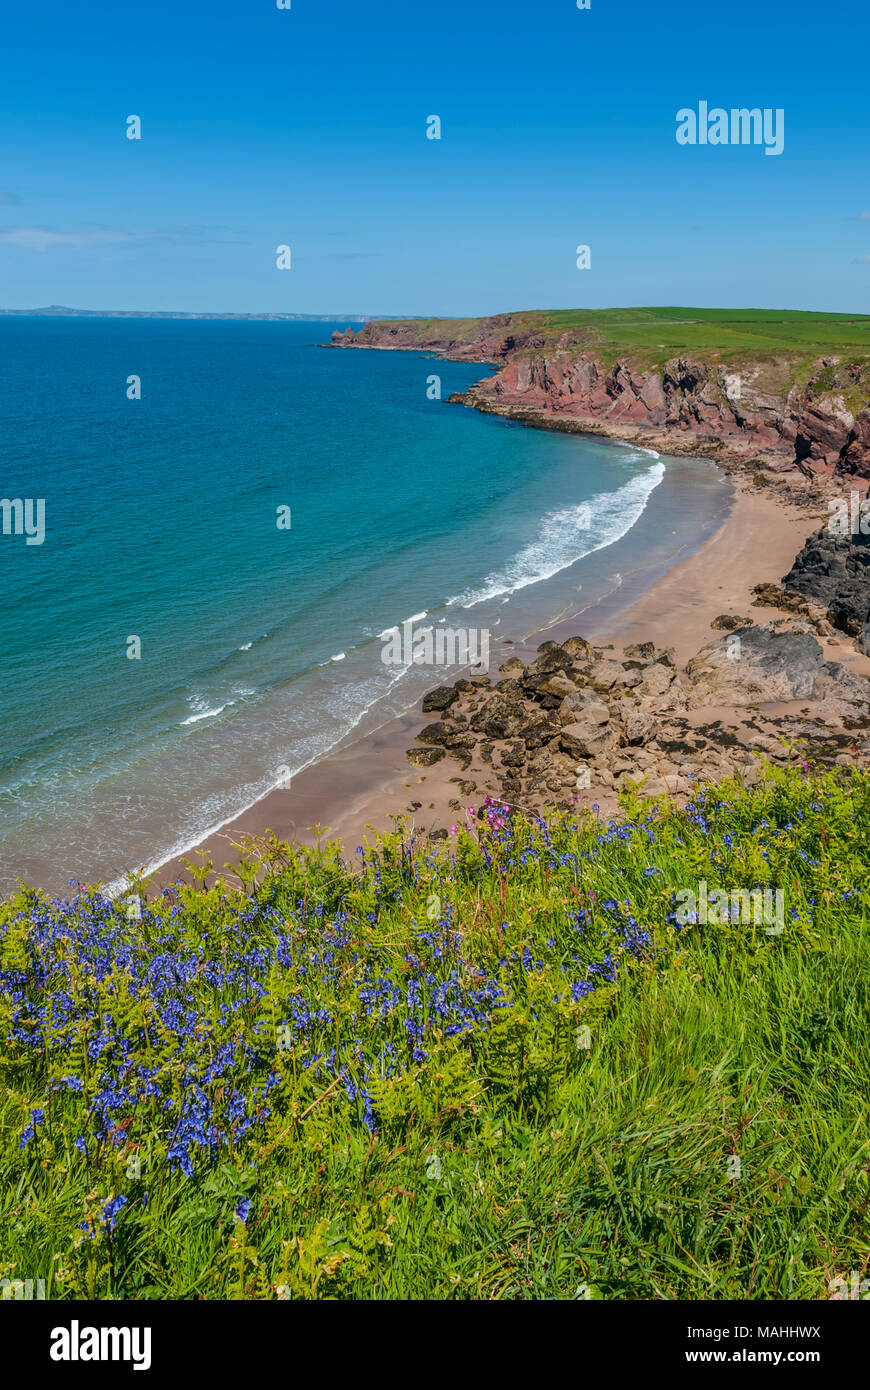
x=756 y=545
x=362 y=786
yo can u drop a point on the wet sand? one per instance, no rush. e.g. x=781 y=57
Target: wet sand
x=756 y=545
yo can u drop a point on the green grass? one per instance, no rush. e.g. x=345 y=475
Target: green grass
x=713 y=328
x=693 y=1128
x=650 y=336
x=742 y=337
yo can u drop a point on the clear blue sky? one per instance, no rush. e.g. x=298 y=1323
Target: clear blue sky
x=307 y=127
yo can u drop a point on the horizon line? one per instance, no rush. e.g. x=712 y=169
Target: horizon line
x=61 y=310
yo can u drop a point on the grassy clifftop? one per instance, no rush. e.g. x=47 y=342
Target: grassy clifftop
x=651 y=336
x=728 y=332
x=504 y=1072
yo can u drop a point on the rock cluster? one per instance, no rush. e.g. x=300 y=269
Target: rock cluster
x=581 y=720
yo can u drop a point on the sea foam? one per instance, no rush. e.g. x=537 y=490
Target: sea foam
x=562 y=540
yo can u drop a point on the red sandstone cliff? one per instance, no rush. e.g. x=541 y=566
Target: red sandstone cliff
x=743 y=412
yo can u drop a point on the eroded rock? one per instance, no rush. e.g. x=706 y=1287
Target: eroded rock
x=441 y=698
x=762 y=666
x=424 y=757
x=640 y=727
x=587 y=739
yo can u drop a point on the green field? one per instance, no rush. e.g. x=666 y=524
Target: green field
x=502 y=1072
x=727 y=332
x=649 y=336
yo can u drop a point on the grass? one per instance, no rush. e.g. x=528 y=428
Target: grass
x=502 y=1072
x=650 y=336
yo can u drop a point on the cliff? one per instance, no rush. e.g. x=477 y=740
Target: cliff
x=755 y=390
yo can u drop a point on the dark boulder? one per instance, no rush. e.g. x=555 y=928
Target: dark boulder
x=442 y=732
x=424 y=757
x=759 y=665
x=442 y=697
x=514 y=755
x=835 y=571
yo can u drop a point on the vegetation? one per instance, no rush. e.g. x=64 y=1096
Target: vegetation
x=650 y=336
x=505 y=1071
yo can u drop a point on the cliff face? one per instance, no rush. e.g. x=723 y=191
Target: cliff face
x=697 y=404
x=467 y=340
x=692 y=405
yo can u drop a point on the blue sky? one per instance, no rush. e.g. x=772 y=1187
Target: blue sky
x=307 y=127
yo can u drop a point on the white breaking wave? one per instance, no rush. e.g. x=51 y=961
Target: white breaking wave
x=564 y=538
x=414 y=618
x=200 y=708
x=192 y=841
x=205 y=714
x=639 y=448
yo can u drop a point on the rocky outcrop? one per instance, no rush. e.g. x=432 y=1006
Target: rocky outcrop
x=693 y=405
x=764 y=411
x=491 y=339
x=760 y=665
x=583 y=724
x=834 y=571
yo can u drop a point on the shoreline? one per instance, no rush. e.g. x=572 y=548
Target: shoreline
x=689 y=495
x=672 y=443
x=363 y=784
x=676 y=610
x=727 y=452
x=732 y=407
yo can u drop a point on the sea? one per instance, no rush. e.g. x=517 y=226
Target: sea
x=235 y=520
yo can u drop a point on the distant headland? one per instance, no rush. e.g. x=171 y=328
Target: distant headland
x=63 y=311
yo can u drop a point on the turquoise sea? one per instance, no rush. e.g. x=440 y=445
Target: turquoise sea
x=261 y=645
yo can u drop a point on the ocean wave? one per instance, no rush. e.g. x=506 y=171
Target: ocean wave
x=201 y=709
x=564 y=537
x=638 y=448
x=208 y=827
x=245 y=647
x=207 y=713
x=414 y=618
